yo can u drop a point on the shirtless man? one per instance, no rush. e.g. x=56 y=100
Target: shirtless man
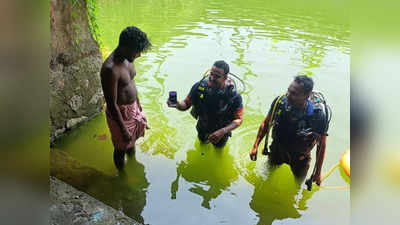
x=125 y=118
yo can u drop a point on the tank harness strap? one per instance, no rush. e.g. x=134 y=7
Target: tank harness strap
x=201 y=91
x=201 y=87
x=270 y=122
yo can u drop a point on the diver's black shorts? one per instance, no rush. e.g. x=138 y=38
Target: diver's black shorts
x=298 y=166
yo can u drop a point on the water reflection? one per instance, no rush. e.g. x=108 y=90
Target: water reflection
x=126 y=192
x=160 y=137
x=210 y=171
x=258 y=33
x=265 y=44
x=133 y=198
x=311 y=56
x=277 y=197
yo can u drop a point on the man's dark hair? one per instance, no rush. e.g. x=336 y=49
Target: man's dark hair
x=306 y=82
x=223 y=65
x=133 y=37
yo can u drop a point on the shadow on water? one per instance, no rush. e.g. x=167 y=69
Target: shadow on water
x=278 y=196
x=126 y=191
x=209 y=170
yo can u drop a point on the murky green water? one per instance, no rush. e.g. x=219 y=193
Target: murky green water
x=173 y=179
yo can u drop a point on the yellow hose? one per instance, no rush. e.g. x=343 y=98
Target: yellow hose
x=344 y=162
x=205 y=72
x=335 y=187
x=329 y=172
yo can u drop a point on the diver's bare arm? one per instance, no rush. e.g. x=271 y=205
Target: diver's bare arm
x=216 y=136
x=182 y=105
x=262 y=131
x=320 y=156
x=233 y=125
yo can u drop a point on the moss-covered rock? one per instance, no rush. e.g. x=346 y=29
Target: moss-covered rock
x=75 y=61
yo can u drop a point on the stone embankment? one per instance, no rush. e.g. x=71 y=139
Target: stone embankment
x=70 y=206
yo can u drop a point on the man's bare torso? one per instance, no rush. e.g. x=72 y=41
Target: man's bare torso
x=123 y=73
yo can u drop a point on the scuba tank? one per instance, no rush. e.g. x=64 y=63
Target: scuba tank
x=319 y=103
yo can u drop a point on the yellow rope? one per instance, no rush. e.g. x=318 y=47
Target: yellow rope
x=324 y=176
x=335 y=187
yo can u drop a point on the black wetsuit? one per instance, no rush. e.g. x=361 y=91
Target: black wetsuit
x=290 y=145
x=214 y=108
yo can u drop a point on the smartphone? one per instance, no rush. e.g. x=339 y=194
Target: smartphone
x=172 y=98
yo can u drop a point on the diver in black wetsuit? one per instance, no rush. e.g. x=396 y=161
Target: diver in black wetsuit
x=216 y=104
x=297 y=125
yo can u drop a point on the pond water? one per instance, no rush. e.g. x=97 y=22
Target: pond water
x=172 y=178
